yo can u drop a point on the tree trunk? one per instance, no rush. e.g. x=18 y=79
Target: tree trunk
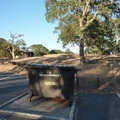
x=13 y=52
x=13 y=55
x=81 y=53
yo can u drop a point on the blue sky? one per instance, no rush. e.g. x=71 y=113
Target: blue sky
x=27 y=17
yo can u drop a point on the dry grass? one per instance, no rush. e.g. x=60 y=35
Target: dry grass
x=100 y=74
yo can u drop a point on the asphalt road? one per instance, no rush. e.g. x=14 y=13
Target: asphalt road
x=98 y=107
x=11 y=85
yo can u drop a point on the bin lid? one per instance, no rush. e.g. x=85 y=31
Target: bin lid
x=46 y=66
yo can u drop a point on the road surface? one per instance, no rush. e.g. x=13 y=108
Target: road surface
x=11 y=85
x=98 y=107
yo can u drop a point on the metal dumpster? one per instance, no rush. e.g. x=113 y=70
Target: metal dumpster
x=51 y=81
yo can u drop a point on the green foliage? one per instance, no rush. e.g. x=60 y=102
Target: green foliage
x=99 y=35
x=76 y=17
x=68 y=51
x=39 y=49
x=3 y=48
x=54 y=51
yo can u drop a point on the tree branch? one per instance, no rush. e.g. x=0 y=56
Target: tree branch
x=91 y=20
x=86 y=7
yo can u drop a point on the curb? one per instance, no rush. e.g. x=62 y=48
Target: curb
x=118 y=95
x=72 y=110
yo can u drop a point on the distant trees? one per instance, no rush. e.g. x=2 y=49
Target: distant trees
x=12 y=46
x=56 y=51
x=68 y=51
x=39 y=49
x=14 y=43
x=15 y=46
x=3 y=48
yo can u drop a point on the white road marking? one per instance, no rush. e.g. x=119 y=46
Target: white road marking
x=6 y=77
x=11 y=76
x=118 y=95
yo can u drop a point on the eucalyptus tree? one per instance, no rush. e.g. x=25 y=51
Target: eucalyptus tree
x=116 y=23
x=15 y=42
x=75 y=16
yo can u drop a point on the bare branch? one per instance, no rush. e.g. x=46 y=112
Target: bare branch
x=86 y=7
x=91 y=20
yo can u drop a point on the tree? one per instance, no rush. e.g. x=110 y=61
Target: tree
x=75 y=16
x=68 y=51
x=55 y=51
x=15 y=42
x=101 y=34
x=39 y=49
x=3 y=48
